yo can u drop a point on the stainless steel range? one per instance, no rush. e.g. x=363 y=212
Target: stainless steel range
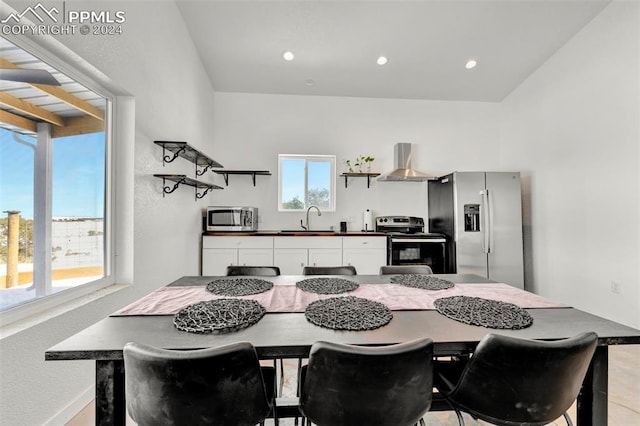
x=409 y=245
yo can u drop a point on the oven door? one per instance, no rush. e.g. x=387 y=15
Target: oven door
x=418 y=251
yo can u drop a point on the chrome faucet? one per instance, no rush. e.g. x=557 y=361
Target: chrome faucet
x=307 y=227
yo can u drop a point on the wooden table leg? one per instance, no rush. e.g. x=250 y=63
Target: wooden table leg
x=593 y=397
x=110 y=404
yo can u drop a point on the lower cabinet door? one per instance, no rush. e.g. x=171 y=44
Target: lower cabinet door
x=325 y=257
x=290 y=260
x=255 y=257
x=366 y=261
x=215 y=261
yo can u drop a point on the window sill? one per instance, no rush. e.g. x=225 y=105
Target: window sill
x=33 y=313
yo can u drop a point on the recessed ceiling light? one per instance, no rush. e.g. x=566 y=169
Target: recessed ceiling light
x=310 y=82
x=382 y=60
x=471 y=63
x=288 y=55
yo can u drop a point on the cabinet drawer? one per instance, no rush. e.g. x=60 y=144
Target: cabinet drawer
x=364 y=242
x=308 y=242
x=237 y=242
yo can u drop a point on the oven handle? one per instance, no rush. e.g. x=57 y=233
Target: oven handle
x=418 y=240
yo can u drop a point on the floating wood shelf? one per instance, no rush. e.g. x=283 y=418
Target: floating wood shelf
x=184 y=180
x=226 y=172
x=186 y=151
x=367 y=175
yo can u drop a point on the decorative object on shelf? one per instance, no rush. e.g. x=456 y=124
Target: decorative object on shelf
x=226 y=172
x=184 y=180
x=359 y=163
x=219 y=316
x=239 y=286
x=348 y=313
x=327 y=285
x=484 y=312
x=186 y=151
x=422 y=281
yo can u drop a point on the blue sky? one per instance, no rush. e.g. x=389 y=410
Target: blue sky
x=78 y=175
x=293 y=177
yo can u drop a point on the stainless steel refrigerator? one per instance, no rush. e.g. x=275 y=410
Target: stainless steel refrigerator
x=481 y=215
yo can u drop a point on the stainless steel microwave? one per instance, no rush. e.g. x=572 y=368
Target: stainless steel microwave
x=227 y=218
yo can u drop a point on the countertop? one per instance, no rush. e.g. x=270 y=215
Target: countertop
x=294 y=233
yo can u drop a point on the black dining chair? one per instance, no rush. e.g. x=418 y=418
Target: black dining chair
x=405 y=269
x=329 y=270
x=261 y=271
x=511 y=381
x=221 y=386
x=374 y=386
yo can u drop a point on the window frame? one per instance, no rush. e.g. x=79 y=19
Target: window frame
x=308 y=157
x=120 y=127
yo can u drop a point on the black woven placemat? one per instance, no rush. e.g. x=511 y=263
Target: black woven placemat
x=219 y=316
x=484 y=312
x=348 y=313
x=238 y=286
x=323 y=285
x=425 y=282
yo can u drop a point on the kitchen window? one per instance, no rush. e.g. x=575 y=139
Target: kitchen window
x=306 y=180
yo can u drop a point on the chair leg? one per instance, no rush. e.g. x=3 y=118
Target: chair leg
x=460 y=418
x=568 y=419
x=281 y=375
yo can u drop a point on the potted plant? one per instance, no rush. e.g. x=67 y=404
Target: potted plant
x=360 y=162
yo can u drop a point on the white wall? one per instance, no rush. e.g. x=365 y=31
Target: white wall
x=250 y=130
x=155 y=61
x=573 y=130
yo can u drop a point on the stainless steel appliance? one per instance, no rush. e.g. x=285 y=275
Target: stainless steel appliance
x=408 y=244
x=481 y=215
x=403 y=170
x=227 y=218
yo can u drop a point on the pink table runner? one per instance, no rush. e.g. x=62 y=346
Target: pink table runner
x=288 y=298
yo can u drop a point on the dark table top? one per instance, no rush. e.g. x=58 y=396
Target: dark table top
x=291 y=335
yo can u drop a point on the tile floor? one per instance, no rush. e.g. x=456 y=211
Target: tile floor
x=624 y=395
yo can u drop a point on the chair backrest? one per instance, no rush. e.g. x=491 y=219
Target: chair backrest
x=261 y=271
x=356 y=385
x=221 y=386
x=329 y=270
x=519 y=381
x=405 y=269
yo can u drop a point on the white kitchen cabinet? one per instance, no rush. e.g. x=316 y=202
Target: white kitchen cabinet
x=325 y=257
x=290 y=260
x=366 y=254
x=291 y=254
x=223 y=251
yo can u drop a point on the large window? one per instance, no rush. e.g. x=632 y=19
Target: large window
x=54 y=221
x=306 y=180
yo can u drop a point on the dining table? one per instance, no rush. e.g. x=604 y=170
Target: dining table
x=284 y=331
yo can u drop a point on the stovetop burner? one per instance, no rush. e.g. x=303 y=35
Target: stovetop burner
x=404 y=227
x=400 y=224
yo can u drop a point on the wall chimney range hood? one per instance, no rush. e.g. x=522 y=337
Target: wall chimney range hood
x=402 y=164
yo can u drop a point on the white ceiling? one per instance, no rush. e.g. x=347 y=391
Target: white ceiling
x=336 y=44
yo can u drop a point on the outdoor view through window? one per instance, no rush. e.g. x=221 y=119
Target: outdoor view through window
x=307 y=180
x=52 y=184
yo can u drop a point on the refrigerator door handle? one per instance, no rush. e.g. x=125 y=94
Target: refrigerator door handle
x=486 y=219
